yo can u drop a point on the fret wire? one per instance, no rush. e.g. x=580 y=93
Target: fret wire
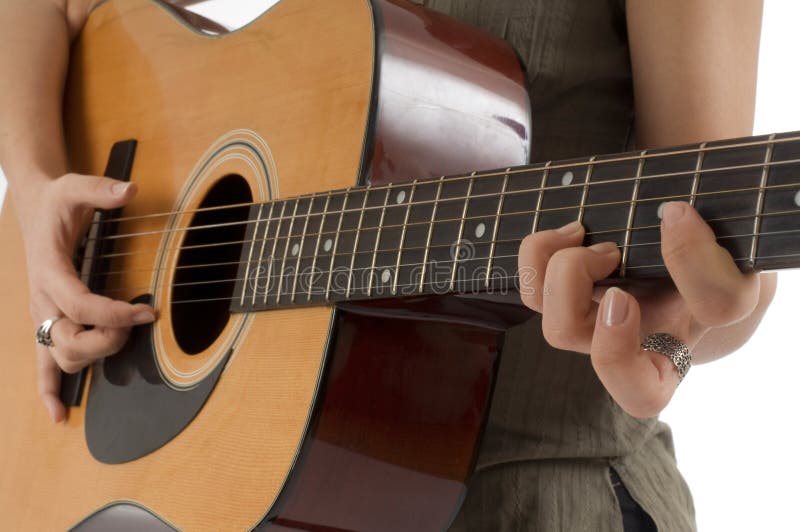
x=541 y=196
x=302 y=243
x=460 y=234
x=377 y=241
x=524 y=191
x=760 y=206
x=403 y=235
x=572 y=207
x=430 y=234
x=286 y=251
x=496 y=228
x=335 y=246
x=355 y=245
x=641 y=244
x=586 y=188
x=659 y=264
x=632 y=213
x=529 y=169
x=591 y=233
x=272 y=255
x=261 y=252
x=701 y=155
x=637 y=245
x=515 y=213
x=316 y=246
x=250 y=257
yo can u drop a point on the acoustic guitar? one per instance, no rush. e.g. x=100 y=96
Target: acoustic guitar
x=331 y=309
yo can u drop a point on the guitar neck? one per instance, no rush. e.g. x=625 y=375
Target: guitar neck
x=461 y=234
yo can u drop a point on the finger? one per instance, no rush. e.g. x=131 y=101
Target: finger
x=84 y=307
x=94 y=191
x=534 y=254
x=715 y=290
x=49 y=384
x=75 y=347
x=641 y=382
x=568 y=313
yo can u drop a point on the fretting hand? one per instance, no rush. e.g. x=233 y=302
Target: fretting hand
x=710 y=295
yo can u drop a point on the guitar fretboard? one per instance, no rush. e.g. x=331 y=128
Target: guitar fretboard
x=462 y=234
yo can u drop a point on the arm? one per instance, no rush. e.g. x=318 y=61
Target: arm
x=51 y=204
x=694 y=71
x=695 y=65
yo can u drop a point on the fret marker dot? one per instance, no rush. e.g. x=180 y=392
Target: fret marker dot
x=295 y=250
x=660 y=211
x=401 y=197
x=328 y=245
x=386 y=276
x=567 y=178
x=480 y=230
x=797 y=198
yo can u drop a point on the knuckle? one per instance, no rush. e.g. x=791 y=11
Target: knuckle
x=65 y=182
x=99 y=186
x=532 y=251
x=67 y=361
x=647 y=406
x=721 y=309
x=566 y=258
x=675 y=251
x=116 y=316
x=76 y=311
x=531 y=298
x=558 y=337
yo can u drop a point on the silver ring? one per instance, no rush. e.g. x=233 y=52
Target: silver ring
x=671 y=347
x=43 y=332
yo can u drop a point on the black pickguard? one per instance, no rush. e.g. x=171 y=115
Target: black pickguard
x=131 y=411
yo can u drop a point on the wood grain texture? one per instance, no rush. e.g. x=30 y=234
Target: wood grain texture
x=299 y=76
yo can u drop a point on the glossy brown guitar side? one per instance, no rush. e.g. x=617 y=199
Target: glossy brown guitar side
x=356 y=417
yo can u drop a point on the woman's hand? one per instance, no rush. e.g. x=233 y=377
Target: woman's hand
x=610 y=324
x=54 y=214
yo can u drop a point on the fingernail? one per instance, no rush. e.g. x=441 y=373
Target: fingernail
x=672 y=212
x=118 y=189
x=143 y=317
x=615 y=307
x=604 y=248
x=570 y=229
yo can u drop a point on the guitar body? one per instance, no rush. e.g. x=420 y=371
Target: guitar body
x=352 y=417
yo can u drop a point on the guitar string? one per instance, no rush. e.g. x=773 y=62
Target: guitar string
x=745 y=217
x=415 y=286
x=491 y=195
x=497 y=241
x=363 y=230
x=512 y=171
x=393 y=266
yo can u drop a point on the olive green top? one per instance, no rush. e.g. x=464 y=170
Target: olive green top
x=553 y=430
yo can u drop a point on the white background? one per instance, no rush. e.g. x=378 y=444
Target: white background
x=734 y=419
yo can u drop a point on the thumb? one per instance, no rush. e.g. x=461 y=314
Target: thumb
x=96 y=192
x=641 y=382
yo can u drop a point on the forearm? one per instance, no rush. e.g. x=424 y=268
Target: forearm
x=695 y=64
x=33 y=65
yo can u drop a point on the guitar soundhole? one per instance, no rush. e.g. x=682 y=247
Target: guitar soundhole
x=205 y=275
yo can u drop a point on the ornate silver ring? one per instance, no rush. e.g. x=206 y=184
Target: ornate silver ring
x=43 y=332
x=671 y=347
